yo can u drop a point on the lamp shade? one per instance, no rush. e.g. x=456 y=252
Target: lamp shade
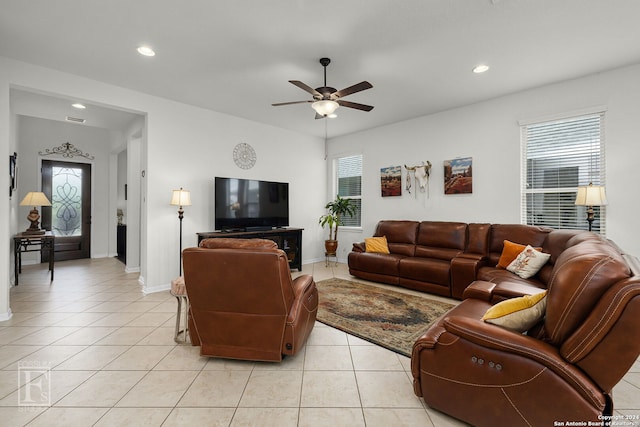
x=325 y=107
x=35 y=198
x=181 y=198
x=591 y=195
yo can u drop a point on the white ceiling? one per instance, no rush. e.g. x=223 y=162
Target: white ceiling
x=236 y=56
x=44 y=106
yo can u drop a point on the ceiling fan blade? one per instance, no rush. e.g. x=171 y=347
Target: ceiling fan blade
x=355 y=105
x=306 y=88
x=289 y=103
x=320 y=116
x=351 y=89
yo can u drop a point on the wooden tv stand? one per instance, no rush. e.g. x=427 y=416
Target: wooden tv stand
x=287 y=239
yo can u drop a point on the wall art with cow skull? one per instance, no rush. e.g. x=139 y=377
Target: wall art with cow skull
x=421 y=175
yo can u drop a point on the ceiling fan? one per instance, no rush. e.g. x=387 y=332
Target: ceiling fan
x=327 y=99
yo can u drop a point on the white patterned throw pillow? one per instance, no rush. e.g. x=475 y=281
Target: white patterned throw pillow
x=528 y=263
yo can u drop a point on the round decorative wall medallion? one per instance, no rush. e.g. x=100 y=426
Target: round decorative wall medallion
x=244 y=155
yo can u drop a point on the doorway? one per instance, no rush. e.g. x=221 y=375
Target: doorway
x=68 y=187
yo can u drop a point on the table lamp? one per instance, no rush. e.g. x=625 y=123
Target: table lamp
x=35 y=198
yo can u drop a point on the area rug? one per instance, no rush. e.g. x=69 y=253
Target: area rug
x=388 y=318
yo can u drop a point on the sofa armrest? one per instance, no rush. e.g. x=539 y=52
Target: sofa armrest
x=479 y=289
x=359 y=247
x=464 y=270
x=301 y=284
x=303 y=288
x=507 y=341
x=301 y=316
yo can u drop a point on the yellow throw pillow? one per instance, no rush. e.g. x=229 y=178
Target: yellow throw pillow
x=376 y=244
x=519 y=314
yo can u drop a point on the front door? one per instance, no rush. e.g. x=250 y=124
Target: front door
x=68 y=187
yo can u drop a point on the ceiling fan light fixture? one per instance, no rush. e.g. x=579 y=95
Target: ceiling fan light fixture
x=325 y=107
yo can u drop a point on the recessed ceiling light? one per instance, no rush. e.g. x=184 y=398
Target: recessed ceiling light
x=481 y=68
x=78 y=106
x=146 y=51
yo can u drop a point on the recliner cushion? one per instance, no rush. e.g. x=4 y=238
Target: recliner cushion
x=401 y=236
x=581 y=275
x=231 y=243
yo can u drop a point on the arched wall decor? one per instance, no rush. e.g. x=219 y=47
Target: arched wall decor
x=66 y=150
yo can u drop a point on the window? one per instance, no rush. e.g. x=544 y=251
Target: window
x=349 y=185
x=557 y=157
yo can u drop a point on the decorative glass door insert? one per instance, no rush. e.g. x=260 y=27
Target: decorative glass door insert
x=66 y=201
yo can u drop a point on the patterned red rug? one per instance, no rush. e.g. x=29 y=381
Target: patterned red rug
x=388 y=318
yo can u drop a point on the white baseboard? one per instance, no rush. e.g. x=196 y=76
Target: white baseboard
x=6 y=316
x=96 y=256
x=128 y=269
x=158 y=288
x=332 y=259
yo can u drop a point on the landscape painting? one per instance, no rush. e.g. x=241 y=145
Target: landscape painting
x=391 y=181
x=458 y=176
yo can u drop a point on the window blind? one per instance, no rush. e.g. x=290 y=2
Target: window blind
x=349 y=181
x=558 y=157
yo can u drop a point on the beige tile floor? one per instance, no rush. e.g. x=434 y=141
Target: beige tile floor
x=104 y=353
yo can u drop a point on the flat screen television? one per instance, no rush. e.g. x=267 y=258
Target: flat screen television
x=248 y=204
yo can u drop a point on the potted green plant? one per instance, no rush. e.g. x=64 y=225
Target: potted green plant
x=337 y=209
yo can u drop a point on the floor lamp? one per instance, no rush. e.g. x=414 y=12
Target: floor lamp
x=590 y=196
x=181 y=198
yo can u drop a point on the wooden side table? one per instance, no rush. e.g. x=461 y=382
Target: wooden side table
x=24 y=242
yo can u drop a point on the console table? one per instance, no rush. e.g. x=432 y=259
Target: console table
x=287 y=239
x=24 y=242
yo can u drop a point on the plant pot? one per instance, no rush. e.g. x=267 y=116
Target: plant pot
x=330 y=247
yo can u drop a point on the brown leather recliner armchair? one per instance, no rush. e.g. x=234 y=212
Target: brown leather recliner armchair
x=563 y=369
x=243 y=302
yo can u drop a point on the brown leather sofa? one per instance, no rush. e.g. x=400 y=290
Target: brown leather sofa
x=565 y=367
x=420 y=257
x=444 y=258
x=243 y=302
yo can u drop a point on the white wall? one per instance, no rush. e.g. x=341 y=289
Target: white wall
x=489 y=132
x=183 y=146
x=37 y=135
x=188 y=146
x=121 y=182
